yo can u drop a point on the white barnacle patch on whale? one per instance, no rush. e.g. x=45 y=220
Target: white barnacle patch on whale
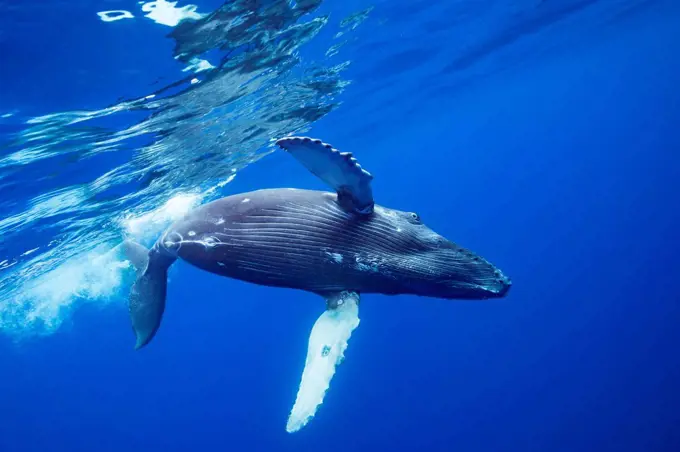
x=172 y=241
x=367 y=263
x=220 y=220
x=210 y=241
x=204 y=243
x=191 y=233
x=246 y=200
x=336 y=257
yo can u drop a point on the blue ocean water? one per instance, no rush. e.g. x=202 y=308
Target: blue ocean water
x=541 y=134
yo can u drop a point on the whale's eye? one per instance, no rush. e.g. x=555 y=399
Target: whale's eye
x=415 y=217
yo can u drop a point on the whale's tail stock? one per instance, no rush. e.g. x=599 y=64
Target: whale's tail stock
x=147 y=296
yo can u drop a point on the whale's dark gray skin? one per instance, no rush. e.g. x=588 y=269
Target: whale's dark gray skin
x=315 y=241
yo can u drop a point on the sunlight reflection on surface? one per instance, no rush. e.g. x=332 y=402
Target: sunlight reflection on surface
x=193 y=136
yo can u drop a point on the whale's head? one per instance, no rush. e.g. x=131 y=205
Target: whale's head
x=430 y=265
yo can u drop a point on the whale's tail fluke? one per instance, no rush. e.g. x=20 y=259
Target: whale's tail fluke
x=147 y=296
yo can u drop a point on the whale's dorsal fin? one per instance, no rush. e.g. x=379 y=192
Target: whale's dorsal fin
x=338 y=169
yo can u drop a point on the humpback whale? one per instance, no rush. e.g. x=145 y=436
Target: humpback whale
x=338 y=245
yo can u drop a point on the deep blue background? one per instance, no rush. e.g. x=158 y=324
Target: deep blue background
x=563 y=170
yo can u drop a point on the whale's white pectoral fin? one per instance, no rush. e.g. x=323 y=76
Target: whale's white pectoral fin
x=327 y=344
x=338 y=169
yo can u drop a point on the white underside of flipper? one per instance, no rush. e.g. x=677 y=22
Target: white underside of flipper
x=327 y=344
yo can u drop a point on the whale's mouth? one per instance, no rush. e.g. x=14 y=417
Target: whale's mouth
x=504 y=289
x=478 y=279
x=455 y=273
x=470 y=291
x=498 y=289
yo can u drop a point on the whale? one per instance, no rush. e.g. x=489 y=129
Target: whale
x=336 y=244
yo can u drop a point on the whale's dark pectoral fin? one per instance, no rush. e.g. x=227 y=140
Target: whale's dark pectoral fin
x=339 y=170
x=147 y=296
x=326 y=349
x=147 y=304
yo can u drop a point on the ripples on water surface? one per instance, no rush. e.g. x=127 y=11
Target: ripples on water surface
x=72 y=183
